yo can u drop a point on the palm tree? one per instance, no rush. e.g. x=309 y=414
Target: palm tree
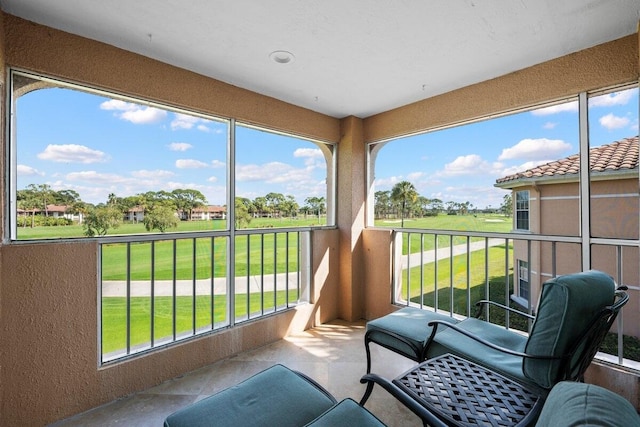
x=403 y=192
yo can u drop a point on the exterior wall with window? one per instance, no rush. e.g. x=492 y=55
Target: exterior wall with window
x=614 y=207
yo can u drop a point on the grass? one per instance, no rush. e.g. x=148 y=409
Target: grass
x=252 y=252
x=114 y=315
x=260 y=250
x=478 y=290
x=71 y=231
x=484 y=223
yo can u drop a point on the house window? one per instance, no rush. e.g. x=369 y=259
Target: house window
x=522 y=210
x=523 y=280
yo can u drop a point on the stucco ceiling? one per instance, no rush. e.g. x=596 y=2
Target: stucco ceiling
x=356 y=57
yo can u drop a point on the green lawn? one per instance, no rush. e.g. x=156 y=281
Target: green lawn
x=479 y=222
x=261 y=252
x=114 y=315
x=483 y=223
x=70 y=231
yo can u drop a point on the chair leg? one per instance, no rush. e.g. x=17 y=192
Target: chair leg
x=367 y=393
x=368 y=351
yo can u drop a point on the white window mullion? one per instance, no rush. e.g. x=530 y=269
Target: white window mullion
x=585 y=184
x=231 y=222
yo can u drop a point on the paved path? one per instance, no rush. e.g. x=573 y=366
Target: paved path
x=443 y=253
x=140 y=288
x=203 y=286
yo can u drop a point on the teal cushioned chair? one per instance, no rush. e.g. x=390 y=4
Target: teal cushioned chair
x=574 y=314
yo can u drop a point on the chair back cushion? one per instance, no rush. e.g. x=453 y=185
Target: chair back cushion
x=578 y=404
x=568 y=305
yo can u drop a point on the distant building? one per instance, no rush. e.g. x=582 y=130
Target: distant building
x=205 y=213
x=135 y=214
x=54 y=211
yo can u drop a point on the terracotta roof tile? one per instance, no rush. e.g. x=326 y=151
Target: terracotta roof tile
x=618 y=155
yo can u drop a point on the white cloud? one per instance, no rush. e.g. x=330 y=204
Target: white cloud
x=569 y=107
x=549 y=125
x=95 y=177
x=535 y=149
x=314 y=157
x=116 y=104
x=155 y=174
x=185 y=121
x=144 y=116
x=471 y=164
x=24 y=170
x=179 y=146
x=134 y=113
x=72 y=153
x=217 y=164
x=415 y=176
x=190 y=164
x=212 y=179
x=610 y=121
x=389 y=182
x=523 y=167
x=275 y=173
x=308 y=152
x=611 y=99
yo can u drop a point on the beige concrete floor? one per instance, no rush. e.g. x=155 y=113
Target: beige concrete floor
x=332 y=354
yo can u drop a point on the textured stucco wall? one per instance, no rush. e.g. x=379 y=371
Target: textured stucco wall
x=351 y=218
x=48 y=299
x=605 y=65
x=37 y=48
x=48 y=292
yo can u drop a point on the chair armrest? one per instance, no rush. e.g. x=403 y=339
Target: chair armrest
x=427 y=417
x=435 y=323
x=483 y=302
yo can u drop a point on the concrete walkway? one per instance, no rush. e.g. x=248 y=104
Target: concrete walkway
x=142 y=288
x=444 y=253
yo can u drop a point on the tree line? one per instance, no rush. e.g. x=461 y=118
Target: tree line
x=160 y=208
x=404 y=201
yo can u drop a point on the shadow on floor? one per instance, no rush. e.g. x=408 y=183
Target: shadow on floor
x=332 y=354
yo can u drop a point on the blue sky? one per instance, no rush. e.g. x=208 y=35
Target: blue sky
x=95 y=145
x=461 y=164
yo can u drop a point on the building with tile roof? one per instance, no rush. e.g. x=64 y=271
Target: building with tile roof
x=617 y=158
x=546 y=201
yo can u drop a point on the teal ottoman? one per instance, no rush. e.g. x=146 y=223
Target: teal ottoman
x=276 y=396
x=404 y=331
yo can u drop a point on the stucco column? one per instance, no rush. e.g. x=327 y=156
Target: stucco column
x=351 y=217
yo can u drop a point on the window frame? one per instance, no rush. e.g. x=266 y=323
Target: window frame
x=329 y=149
x=520 y=209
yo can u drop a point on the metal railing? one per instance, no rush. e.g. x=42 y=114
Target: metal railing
x=156 y=290
x=448 y=271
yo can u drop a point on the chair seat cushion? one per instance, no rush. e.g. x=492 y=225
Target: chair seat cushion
x=450 y=341
x=347 y=413
x=578 y=404
x=276 y=396
x=410 y=323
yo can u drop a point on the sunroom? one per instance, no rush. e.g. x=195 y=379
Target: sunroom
x=346 y=84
